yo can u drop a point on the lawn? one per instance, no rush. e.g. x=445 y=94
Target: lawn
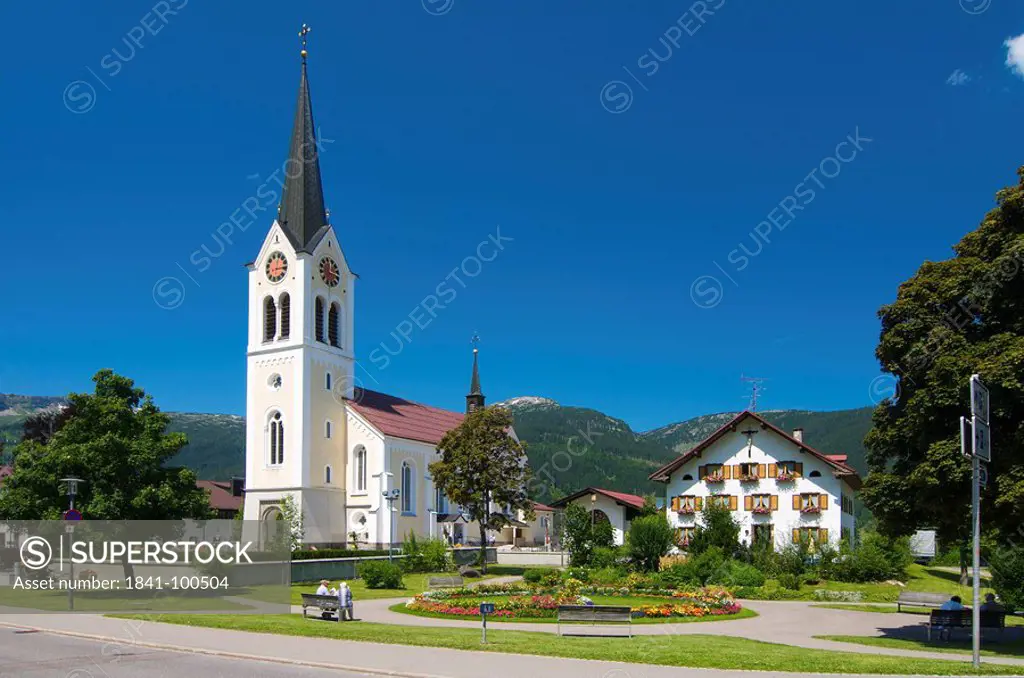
x=117 y=601
x=959 y=645
x=891 y=609
x=414 y=583
x=664 y=649
x=598 y=600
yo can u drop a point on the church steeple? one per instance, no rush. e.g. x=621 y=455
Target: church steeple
x=475 y=399
x=302 y=213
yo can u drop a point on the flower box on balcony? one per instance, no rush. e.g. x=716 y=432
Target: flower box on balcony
x=811 y=510
x=687 y=511
x=785 y=477
x=761 y=510
x=714 y=478
x=748 y=478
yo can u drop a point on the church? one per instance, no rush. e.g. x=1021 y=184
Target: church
x=336 y=449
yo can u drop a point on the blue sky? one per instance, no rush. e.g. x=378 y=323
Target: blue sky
x=448 y=119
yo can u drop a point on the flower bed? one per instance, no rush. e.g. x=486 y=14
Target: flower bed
x=515 y=602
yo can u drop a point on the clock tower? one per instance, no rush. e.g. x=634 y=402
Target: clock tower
x=300 y=354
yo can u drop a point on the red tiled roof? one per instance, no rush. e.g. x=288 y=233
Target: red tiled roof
x=623 y=498
x=221 y=498
x=537 y=506
x=842 y=469
x=394 y=416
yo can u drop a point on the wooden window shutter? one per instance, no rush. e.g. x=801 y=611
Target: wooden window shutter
x=796 y=534
x=823 y=501
x=699 y=503
x=823 y=535
x=748 y=503
x=732 y=502
x=762 y=471
x=773 y=470
x=725 y=471
x=701 y=472
x=796 y=502
x=800 y=469
x=675 y=503
x=775 y=502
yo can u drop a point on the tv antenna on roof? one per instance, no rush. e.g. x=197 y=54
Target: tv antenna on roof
x=756 y=389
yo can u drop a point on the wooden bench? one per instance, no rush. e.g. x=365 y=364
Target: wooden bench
x=444 y=582
x=917 y=599
x=328 y=605
x=947 y=620
x=595 y=614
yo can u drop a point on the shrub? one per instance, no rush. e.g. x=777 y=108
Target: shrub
x=1008 y=576
x=577 y=534
x=733 y=573
x=602 y=534
x=431 y=555
x=307 y=554
x=380 y=574
x=607 y=576
x=649 y=539
x=719 y=529
x=875 y=558
x=789 y=581
x=580 y=573
x=536 y=575
x=608 y=556
x=707 y=565
x=680 y=575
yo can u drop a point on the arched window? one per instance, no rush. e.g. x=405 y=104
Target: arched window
x=327 y=381
x=269 y=319
x=359 y=468
x=328 y=429
x=814 y=474
x=332 y=324
x=286 y=315
x=688 y=477
x=318 y=311
x=327 y=474
x=275 y=433
x=408 y=488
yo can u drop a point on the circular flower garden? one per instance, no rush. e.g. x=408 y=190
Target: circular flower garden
x=522 y=601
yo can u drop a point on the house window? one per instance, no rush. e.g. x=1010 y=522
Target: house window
x=440 y=501
x=810 y=535
x=327 y=381
x=764 y=534
x=788 y=467
x=748 y=471
x=814 y=474
x=684 y=535
x=408 y=488
x=359 y=468
x=723 y=500
x=275 y=435
x=761 y=503
x=327 y=429
x=688 y=504
x=327 y=475
x=810 y=503
x=713 y=473
x=688 y=476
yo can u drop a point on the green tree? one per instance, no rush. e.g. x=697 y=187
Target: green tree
x=650 y=507
x=717 y=528
x=481 y=467
x=953 y=318
x=116 y=441
x=577 y=534
x=649 y=538
x=1008 y=576
x=293 y=527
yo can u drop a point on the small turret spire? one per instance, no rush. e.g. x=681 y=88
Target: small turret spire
x=475 y=399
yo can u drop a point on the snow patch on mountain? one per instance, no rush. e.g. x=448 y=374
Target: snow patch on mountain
x=524 y=402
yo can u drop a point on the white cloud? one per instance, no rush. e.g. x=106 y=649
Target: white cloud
x=1015 y=54
x=958 y=78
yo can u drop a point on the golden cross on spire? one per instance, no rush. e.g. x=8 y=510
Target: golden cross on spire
x=302 y=34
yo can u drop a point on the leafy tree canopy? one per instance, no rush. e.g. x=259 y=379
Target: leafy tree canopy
x=482 y=466
x=115 y=441
x=954 y=318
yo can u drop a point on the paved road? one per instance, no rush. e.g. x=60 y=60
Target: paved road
x=45 y=655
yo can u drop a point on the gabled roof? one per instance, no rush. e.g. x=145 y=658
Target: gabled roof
x=400 y=418
x=836 y=461
x=220 y=495
x=621 y=498
x=537 y=506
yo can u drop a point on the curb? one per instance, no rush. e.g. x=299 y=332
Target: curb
x=224 y=653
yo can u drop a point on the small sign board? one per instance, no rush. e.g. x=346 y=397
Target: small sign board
x=979 y=399
x=965 y=437
x=72 y=514
x=486 y=608
x=982 y=440
x=982 y=475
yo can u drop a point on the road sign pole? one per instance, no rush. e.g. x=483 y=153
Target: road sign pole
x=976 y=520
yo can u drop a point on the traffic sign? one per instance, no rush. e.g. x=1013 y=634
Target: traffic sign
x=982 y=440
x=72 y=514
x=486 y=608
x=965 y=435
x=982 y=475
x=979 y=399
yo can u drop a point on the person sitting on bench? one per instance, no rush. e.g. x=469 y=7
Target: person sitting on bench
x=344 y=602
x=954 y=603
x=990 y=604
x=322 y=590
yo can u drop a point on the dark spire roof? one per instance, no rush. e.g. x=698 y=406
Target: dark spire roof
x=302 y=213
x=475 y=399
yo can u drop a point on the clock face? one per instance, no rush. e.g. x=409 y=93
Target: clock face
x=329 y=272
x=277 y=266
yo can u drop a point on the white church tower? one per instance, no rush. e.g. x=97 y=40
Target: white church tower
x=300 y=355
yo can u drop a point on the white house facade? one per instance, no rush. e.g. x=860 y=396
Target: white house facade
x=618 y=508
x=311 y=433
x=778 y=488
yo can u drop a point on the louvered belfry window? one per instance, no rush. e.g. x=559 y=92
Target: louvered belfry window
x=332 y=325
x=269 y=319
x=318 y=311
x=286 y=315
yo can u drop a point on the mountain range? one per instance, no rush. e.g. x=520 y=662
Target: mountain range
x=569 y=448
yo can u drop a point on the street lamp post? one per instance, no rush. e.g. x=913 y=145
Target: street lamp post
x=72 y=490
x=391 y=496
